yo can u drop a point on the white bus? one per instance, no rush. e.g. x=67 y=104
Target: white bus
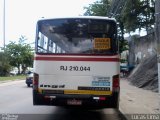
x=76 y=62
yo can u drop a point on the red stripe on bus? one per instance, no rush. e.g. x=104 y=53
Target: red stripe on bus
x=76 y=59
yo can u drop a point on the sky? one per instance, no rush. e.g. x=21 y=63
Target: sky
x=21 y=15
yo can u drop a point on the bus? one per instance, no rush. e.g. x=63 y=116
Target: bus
x=76 y=62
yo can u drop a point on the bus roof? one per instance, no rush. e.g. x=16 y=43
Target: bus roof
x=81 y=17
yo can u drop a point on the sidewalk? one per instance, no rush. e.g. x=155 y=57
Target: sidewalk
x=135 y=100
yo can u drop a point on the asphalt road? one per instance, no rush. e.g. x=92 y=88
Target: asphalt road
x=16 y=102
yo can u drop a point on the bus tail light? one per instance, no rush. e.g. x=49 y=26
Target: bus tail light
x=99 y=98
x=116 y=83
x=102 y=98
x=35 y=81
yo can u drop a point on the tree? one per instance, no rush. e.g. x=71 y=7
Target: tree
x=130 y=15
x=4 y=64
x=147 y=11
x=98 y=8
x=20 y=54
x=138 y=14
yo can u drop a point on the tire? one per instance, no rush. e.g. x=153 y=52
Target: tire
x=115 y=101
x=28 y=85
x=37 y=100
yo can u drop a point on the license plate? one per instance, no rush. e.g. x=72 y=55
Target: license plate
x=74 y=102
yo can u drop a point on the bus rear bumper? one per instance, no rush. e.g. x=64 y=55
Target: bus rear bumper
x=111 y=101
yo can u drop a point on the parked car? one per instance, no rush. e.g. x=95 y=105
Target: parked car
x=13 y=72
x=29 y=79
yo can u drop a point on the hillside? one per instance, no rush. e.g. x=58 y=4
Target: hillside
x=145 y=75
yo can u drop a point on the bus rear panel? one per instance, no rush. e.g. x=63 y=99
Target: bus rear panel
x=76 y=62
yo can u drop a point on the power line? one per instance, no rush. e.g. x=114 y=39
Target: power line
x=117 y=7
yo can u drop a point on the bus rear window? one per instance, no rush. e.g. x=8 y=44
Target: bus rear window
x=77 y=36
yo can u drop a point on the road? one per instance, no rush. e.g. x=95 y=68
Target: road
x=16 y=99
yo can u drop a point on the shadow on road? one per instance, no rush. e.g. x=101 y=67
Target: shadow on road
x=76 y=114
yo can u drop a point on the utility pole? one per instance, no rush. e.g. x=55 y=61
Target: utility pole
x=4 y=24
x=147 y=16
x=157 y=34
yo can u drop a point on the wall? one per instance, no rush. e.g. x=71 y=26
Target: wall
x=141 y=47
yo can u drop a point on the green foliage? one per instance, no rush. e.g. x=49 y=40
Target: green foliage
x=20 y=54
x=123 y=45
x=130 y=15
x=147 y=10
x=138 y=14
x=98 y=8
x=123 y=61
x=4 y=64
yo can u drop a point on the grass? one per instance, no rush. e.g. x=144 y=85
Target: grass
x=13 y=77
